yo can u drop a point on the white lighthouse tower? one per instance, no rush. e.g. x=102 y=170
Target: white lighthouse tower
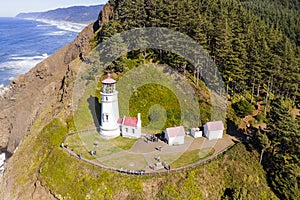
x=110 y=109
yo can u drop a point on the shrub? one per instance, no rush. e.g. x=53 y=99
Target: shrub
x=243 y=108
x=261 y=117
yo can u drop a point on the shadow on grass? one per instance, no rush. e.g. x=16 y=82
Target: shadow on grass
x=95 y=108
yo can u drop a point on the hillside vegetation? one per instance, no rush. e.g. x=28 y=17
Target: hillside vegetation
x=259 y=62
x=255 y=46
x=254 y=57
x=237 y=174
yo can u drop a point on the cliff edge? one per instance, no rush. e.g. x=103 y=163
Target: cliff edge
x=35 y=99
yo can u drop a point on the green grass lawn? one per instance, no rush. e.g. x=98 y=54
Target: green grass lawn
x=191 y=157
x=127 y=161
x=82 y=143
x=204 y=153
x=153 y=94
x=162 y=99
x=69 y=178
x=123 y=143
x=83 y=115
x=75 y=144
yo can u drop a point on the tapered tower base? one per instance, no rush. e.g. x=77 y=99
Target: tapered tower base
x=109 y=134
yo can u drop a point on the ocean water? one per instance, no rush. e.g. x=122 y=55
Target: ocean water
x=24 y=43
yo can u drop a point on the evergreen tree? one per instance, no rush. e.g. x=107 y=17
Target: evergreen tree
x=284 y=159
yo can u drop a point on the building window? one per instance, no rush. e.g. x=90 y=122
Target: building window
x=132 y=131
x=106 y=117
x=126 y=130
x=106 y=98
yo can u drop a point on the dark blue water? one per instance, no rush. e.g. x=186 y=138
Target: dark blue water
x=24 y=43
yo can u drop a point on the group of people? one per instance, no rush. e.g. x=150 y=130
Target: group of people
x=151 y=138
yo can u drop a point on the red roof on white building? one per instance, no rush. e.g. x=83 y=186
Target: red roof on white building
x=128 y=121
x=175 y=131
x=215 y=126
x=120 y=120
x=109 y=80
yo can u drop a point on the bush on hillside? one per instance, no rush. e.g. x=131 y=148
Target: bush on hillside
x=243 y=108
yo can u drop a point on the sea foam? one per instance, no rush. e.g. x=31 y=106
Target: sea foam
x=67 y=26
x=3 y=90
x=57 y=33
x=18 y=65
x=2 y=162
x=28 y=46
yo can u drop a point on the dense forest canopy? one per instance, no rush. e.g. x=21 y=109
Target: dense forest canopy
x=253 y=53
x=283 y=15
x=256 y=46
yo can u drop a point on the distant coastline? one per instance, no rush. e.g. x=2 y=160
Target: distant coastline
x=75 y=14
x=72 y=19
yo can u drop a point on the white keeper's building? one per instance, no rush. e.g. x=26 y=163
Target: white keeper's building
x=214 y=130
x=175 y=135
x=131 y=127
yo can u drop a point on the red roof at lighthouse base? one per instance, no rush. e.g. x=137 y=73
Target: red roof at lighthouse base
x=128 y=121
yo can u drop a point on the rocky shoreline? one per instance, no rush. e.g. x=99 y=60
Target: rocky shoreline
x=34 y=99
x=42 y=89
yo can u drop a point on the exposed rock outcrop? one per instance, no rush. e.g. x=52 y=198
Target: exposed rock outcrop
x=42 y=87
x=37 y=90
x=42 y=93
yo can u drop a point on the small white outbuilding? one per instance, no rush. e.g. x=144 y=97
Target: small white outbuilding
x=214 y=130
x=175 y=135
x=196 y=132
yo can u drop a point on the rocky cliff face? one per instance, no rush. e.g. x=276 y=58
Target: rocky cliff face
x=41 y=94
x=32 y=93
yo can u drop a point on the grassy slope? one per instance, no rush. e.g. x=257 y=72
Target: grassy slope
x=70 y=178
x=41 y=158
x=151 y=94
x=190 y=157
x=145 y=100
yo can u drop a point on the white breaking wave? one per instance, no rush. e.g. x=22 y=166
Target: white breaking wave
x=21 y=64
x=43 y=25
x=2 y=161
x=57 y=33
x=3 y=90
x=63 y=25
x=38 y=57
